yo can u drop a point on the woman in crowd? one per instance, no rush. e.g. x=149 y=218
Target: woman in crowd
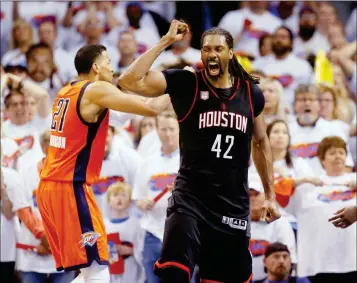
x=326 y=254
x=289 y=172
x=274 y=100
x=22 y=39
x=347 y=105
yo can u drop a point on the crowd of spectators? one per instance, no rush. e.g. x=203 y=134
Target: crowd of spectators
x=303 y=52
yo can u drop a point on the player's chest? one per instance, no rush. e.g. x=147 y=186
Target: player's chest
x=214 y=113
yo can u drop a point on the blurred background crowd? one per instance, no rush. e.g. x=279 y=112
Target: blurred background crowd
x=305 y=55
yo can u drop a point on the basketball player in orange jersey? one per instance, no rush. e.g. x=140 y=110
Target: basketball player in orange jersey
x=71 y=217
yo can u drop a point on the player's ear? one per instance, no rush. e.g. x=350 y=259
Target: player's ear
x=231 y=54
x=95 y=68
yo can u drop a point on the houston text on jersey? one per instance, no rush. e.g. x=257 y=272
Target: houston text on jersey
x=223 y=119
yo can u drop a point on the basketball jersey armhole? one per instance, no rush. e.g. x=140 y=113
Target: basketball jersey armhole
x=250 y=100
x=193 y=102
x=101 y=116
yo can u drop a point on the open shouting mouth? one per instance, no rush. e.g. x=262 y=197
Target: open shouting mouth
x=213 y=68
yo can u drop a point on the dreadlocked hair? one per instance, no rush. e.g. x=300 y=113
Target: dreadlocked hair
x=234 y=67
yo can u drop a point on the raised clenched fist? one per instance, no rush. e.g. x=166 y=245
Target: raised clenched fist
x=177 y=31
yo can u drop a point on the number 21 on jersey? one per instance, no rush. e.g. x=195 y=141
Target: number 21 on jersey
x=216 y=147
x=59 y=116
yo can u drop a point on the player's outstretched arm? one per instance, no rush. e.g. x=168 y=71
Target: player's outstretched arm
x=263 y=160
x=138 y=77
x=106 y=95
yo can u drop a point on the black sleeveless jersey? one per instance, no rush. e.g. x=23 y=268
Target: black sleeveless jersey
x=216 y=127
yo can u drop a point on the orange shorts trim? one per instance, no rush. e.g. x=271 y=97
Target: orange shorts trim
x=73 y=224
x=174 y=264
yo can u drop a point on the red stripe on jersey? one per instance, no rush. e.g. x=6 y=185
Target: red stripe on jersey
x=193 y=102
x=250 y=100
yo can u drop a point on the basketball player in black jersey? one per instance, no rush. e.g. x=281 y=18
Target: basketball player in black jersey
x=219 y=110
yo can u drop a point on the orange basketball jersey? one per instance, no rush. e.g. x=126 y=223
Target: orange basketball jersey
x=76 y=148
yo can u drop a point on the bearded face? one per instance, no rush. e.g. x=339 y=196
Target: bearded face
x=215 y=55
x=281 y=43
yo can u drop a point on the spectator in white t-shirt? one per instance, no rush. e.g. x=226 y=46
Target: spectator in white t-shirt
x=146 y=36
x=262 y=233
x=289 y=172
x=47 y=33
x=42 y=69
x=284 y=66
x=93 y=33
x=36 y=12
x=130 y=234
x=22 y=39
x=326 y=253
x=119 y=164
x=18 y=127
x=308 y=129
x=150 y=143
x=308 y=41
x=247 y=25
x=156 y=173
x=128 y=50
x=288 y=12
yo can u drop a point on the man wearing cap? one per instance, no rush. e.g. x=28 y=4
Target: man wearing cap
x=277 y=262
x=263 y=233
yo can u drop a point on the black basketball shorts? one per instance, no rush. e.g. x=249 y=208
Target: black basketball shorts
x=221 y=257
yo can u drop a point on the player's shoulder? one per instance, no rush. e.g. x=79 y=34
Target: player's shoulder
x=179 y=72
x=74 y=86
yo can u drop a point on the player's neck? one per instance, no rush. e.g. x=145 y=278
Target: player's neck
x=87 y=77
x=223 y=81
x=279 y=154
x=118 y=213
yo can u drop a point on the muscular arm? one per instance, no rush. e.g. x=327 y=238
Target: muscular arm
x=106 y=95
x=118 y=119
x=262 y=156
x=138 y=77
